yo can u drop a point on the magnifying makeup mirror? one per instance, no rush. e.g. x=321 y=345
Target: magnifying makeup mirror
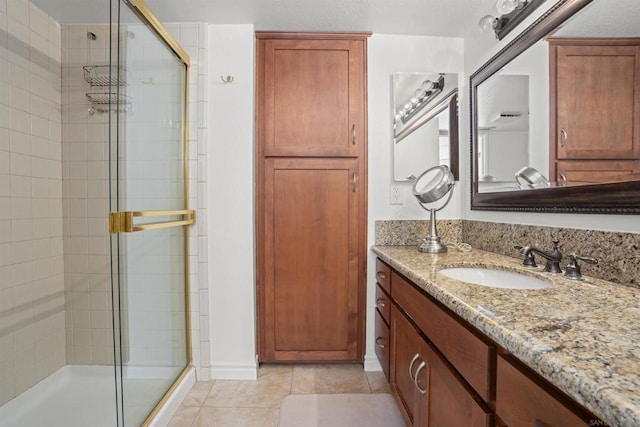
x=431 y=186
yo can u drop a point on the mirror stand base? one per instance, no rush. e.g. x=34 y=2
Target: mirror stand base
x=432 y=245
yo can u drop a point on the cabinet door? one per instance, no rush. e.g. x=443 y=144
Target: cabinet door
x=311 y=260
x=451 y=401
x=313 y=97
x=405 y=357
x=382 y=343
x=430 y=392
x=597 y=99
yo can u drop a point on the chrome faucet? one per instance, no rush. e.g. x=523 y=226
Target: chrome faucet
x=553 y=258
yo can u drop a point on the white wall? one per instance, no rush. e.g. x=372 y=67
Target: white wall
x=231 y=201
x=478 y=48
x=388 y=54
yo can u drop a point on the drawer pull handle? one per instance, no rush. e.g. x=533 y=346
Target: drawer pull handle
x=378 y=339
x=381 y=275
x=411 y=366
x=380 y=302
x=415 y=381
x=565 y=136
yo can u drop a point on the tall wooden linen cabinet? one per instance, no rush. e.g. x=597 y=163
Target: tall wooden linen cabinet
x=311 y=188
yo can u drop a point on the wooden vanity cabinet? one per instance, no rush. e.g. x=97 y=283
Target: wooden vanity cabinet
x=522 y=401
x=471 y=355
x=383 y=276
x=426 y=388
x=383 y=315
x=383 y=343
x=595 y=103
x=383 y=319
x=467 y=379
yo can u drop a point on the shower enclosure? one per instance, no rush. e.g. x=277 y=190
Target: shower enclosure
x=94 y=217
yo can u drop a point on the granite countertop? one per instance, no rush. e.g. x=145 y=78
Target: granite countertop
x=582 y=336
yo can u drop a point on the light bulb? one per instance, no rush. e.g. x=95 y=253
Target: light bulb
x=505 y=7
x=488 y=22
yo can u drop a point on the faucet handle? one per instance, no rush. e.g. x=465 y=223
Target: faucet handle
x=572 y=271
x=529 y=260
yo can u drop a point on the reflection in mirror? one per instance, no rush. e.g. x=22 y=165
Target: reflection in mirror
x=557 y=113
x=425 y=123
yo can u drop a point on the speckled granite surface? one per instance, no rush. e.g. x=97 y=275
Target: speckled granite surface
x=618 y=254
x=584 y=337
x=411 y=232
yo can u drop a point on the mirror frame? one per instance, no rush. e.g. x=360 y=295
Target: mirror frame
x=610 y=198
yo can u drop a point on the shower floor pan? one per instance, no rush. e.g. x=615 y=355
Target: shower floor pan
x=75 y=396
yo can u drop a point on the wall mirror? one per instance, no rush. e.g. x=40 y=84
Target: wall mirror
x=425 y=123
x=555 y=121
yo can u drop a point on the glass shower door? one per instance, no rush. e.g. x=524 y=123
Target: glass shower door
x=149 y=212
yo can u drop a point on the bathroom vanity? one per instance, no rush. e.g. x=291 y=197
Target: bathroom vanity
x=462 y=354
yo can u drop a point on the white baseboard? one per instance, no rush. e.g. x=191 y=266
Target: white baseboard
x=371 y=363
x=232 y=371
x=203 y=373
x=168 y=410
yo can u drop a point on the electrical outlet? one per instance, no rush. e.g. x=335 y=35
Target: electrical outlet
x=395 y=198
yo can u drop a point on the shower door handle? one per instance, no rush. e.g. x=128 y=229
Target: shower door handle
x=123 y=222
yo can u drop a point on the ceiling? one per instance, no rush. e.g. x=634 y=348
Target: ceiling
x=448 y=18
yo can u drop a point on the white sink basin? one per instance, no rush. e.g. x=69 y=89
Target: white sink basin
x=494 y=278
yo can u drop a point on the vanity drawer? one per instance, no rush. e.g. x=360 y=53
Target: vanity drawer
x=383 y=304
x=382 y=343
x=522 y=402
x=383 y=275
x=469 y=354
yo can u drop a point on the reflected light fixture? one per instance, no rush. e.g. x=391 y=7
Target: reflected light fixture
x=431 y=186
x=511 y=13
x=427 y=91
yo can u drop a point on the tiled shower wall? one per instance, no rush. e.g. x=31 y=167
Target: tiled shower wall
x=85 y=202
x=32 y=312
x=85 y=146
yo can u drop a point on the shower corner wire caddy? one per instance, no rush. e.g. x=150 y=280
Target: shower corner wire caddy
x=106 y=77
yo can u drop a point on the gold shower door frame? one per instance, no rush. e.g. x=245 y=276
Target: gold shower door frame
x=124 y=221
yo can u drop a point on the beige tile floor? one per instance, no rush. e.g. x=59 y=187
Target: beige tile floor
x=223 y=403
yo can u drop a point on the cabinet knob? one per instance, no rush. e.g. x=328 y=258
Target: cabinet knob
x=379 y=343
x=415 y=381
x=380 y=302
x=381 y=275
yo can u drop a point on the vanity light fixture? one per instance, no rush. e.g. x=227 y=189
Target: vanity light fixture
x=511 y=13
